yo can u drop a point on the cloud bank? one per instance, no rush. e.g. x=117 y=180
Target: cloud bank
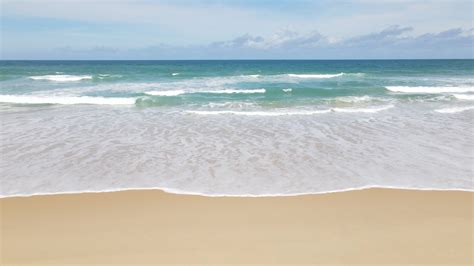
x=392 y=42
x=238 y=29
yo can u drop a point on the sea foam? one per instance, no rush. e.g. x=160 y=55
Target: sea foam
x=454 y=109
x=293 y=112
x=422 y=89
x=224 y=91
x=315 y=76
x=166 y=93
x=468 y=97
x=232 y=91
x=28 y=99
x=61 y=78
x=354 y=99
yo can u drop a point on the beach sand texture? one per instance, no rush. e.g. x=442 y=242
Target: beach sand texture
x=375 y=226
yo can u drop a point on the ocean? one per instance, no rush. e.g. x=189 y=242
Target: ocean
x=236 y=128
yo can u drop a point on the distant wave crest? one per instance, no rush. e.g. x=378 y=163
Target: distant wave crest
x=232 y=91
x=225 y=91
x=315 y=76
x=61 y=78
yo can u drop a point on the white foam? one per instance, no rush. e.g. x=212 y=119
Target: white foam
x=27 y=99
x=166 y=93
x=315 y=76
x=232 y=91
x=61 y=78
x=468 y=97
x=454 y=110
x=287 y=90
x=299 y=112
x=362 y=110
x=230 y=105
x=268 y=195
x=104 y=76
x=259 y=113
x=226 y=91
x=421 y=89
x=174 y=74
x=354 y=99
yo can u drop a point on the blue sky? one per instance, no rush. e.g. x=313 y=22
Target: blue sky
x=238 y=29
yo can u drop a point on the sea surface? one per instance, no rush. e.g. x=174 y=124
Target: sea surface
x=242 y=128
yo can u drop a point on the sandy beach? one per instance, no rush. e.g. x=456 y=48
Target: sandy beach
x=378 y=226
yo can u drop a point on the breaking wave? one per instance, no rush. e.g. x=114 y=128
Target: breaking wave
x=422 y=89
x=454 y=110
x=315 y=76
x=165 y=93
x=464 y=96
x=27 y=99
x=61 y=78
x=225 y=91
x=232 y=91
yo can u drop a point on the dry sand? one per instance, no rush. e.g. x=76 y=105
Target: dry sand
x=378 y=226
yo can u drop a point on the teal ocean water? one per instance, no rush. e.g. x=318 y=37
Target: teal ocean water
x=246 y=128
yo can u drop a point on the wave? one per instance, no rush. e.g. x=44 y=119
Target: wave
x=174 y=74
x=27 y=99
x=464 y=96
x=354 y=99
x=362 y=110
x=230 y=105
x=166 y=93
x=301 y=112
x=226 y=91
x=218 y=84
x=109 y=76
x=232 y=91
x=287 y=90
x=315 y=76
x=61 y=78
x=454 y=110
x=421 y=89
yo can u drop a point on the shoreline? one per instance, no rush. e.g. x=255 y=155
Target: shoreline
x=378 y=226
x=189 y=193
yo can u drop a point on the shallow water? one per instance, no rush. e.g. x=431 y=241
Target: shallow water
x=236 y=127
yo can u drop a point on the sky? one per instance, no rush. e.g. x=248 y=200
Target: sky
x=236 y=29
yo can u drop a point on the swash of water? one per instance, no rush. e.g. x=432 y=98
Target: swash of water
x=244 y=128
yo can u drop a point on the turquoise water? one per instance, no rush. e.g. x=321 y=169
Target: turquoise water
x=236 y=127
x=194 y=84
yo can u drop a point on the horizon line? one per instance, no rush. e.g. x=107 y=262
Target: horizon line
x=247 y=59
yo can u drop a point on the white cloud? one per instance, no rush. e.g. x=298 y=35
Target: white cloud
x=198 y=21
x=189 y=23
x=138 y=26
